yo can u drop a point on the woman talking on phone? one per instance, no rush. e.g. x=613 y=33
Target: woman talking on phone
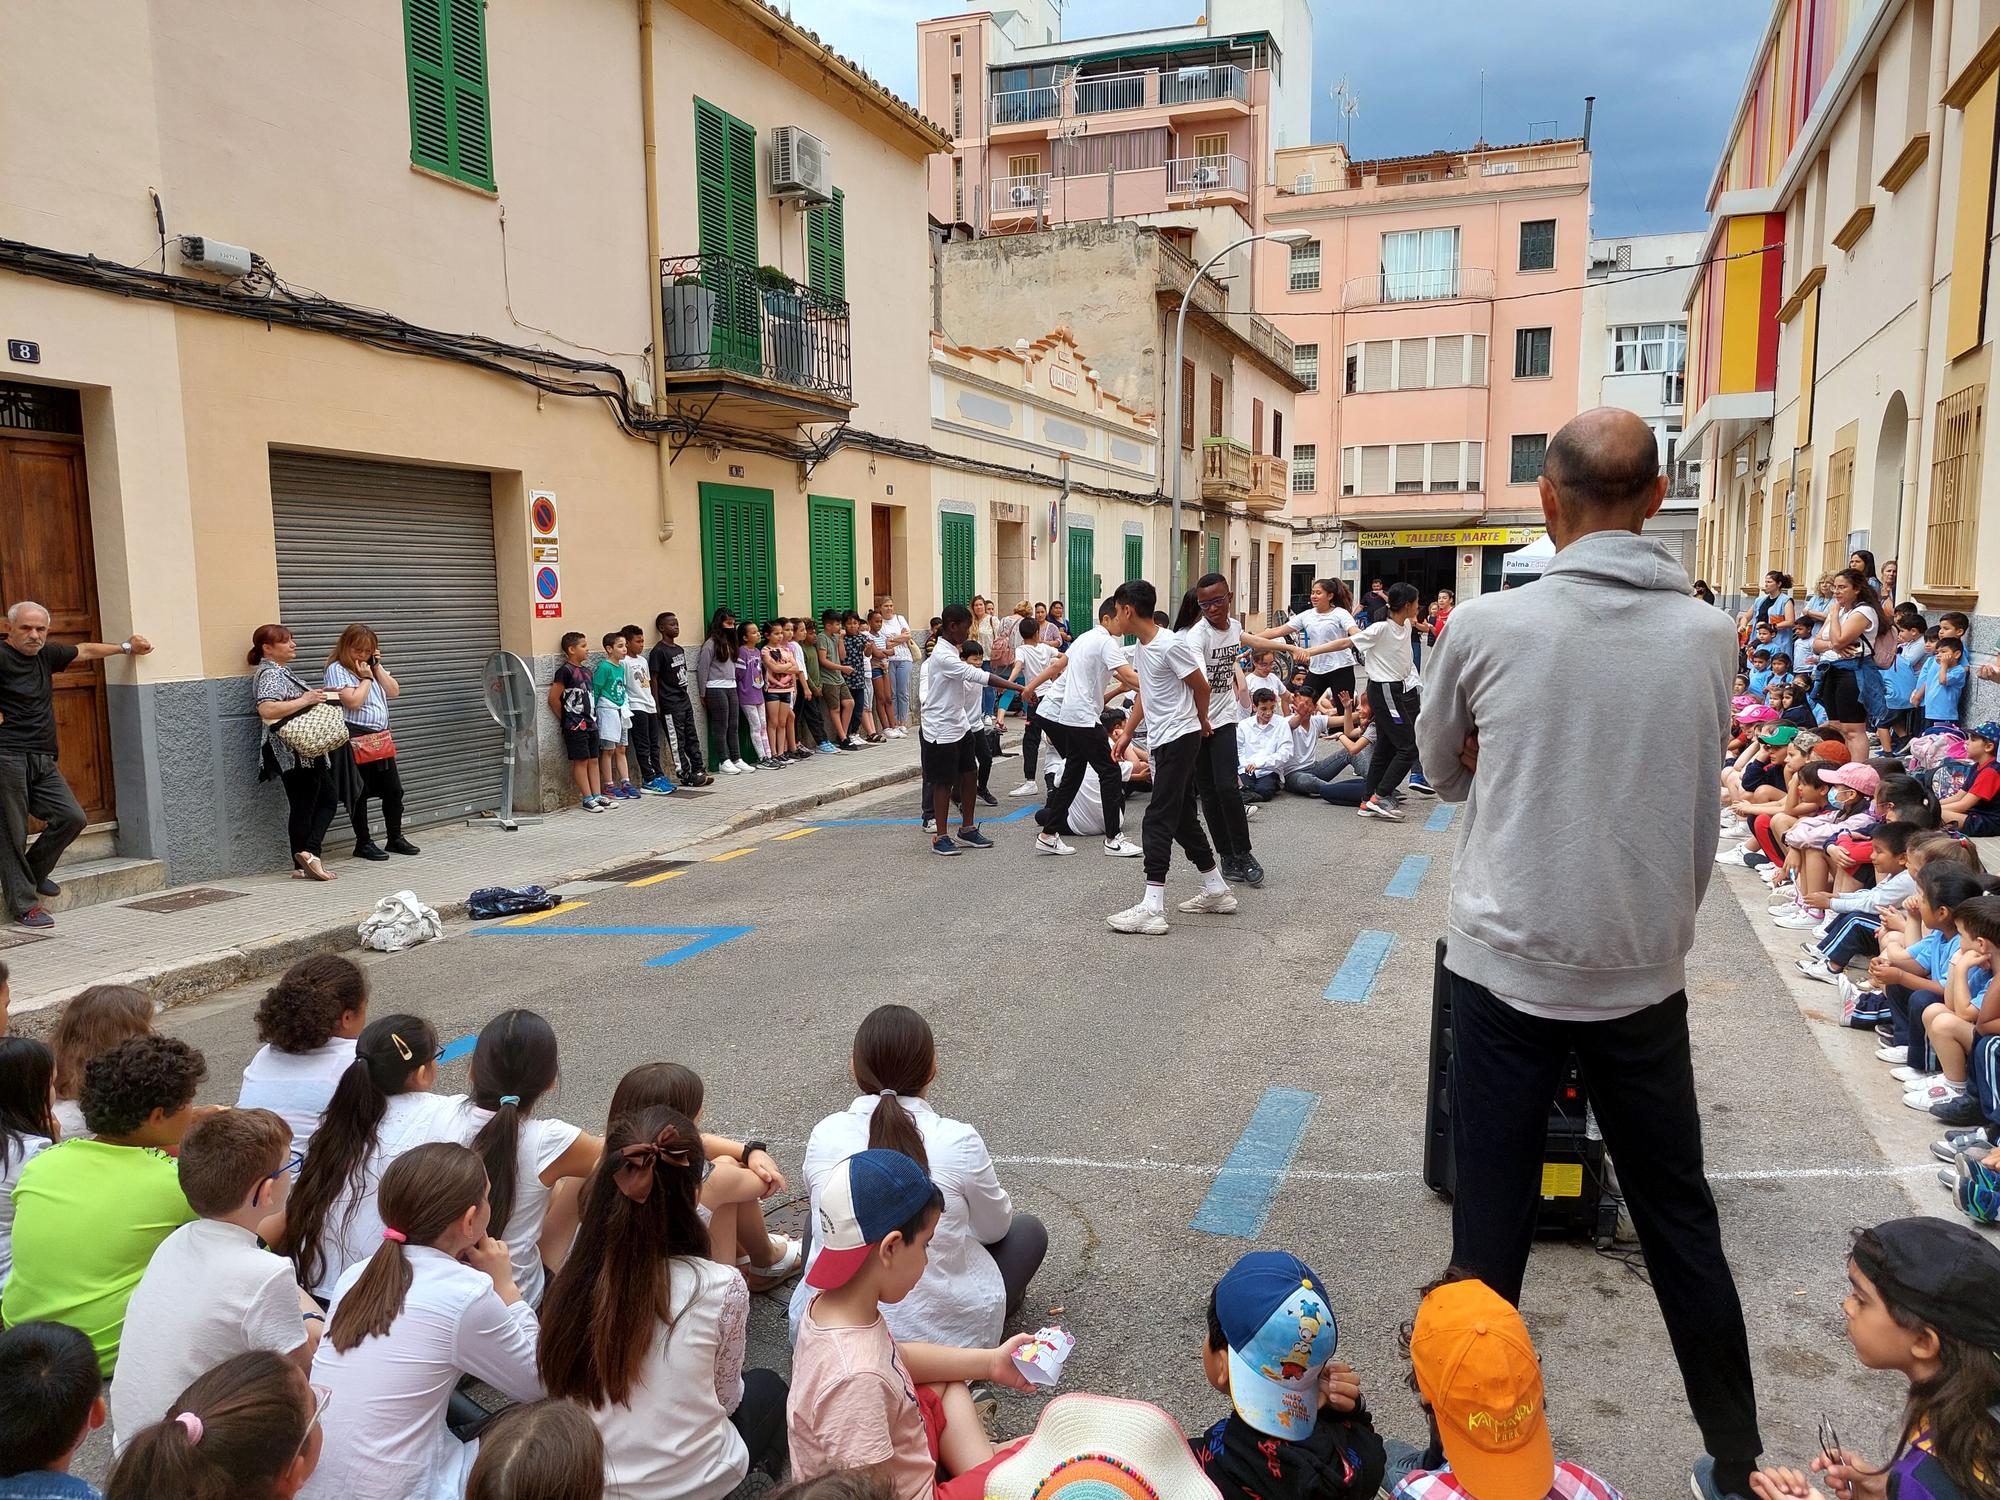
x=364 y=686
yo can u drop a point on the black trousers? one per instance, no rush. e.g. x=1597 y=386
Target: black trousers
x=1393 y=709
x=310 y=791
x=1031 y=745
x=646 y=744
x=1019 y=1254
x=1170 y=812
x=1640 y=1079
x=812 y=721
x=1083 y=750
x=31 y=785
x=759 y=1419
x=687 y=746
x=380 y=780
x=1222 y=795
x=723 y=712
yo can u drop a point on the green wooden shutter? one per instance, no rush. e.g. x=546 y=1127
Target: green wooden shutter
x=725 y=175
x=739 y=552
x=830 y=540
x=1214 y=553
x=1135 y=557
x=444 y=43
x=826 y=247
x=955 y=546
x=1082 y=601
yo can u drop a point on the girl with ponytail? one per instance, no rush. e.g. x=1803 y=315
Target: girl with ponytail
x=647 y=1333
x=382 y=1106
x=247 y=1430
x=513 y=1066
x=434 y=1303
x=983 y=1253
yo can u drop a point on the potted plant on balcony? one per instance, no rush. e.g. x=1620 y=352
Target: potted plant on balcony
x=785 y=311
x=690 y=322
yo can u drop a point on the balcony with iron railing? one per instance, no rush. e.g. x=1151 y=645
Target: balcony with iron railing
x=1208 y=89
x=775 y=352
x=1445 y=284
x=1207 y=176
x=1020 y=197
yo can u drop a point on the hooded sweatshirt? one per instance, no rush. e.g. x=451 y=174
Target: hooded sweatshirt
x=1600 y=695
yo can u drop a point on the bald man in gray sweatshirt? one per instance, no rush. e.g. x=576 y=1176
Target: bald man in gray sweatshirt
x=1581 y=862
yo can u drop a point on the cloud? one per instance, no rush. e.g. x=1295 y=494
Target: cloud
x=1666 y=78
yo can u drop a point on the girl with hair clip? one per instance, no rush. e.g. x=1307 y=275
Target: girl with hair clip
x=983 y=1254
x=434 y=1303
x=27 y=1127
x=546 y=1450
x=307 y=1022
x=93 y=1023
x=737 y=1177
x=247 y=1430
x=513 y=1066
x=1923 y=1299
x=382 y=1107
x=680 y=1417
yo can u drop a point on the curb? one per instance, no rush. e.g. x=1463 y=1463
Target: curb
x=190 y=979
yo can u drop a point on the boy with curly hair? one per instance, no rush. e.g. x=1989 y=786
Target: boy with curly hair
x=89 y=1213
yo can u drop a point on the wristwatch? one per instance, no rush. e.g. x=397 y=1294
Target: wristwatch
x=125 y=646
x=749 y=1146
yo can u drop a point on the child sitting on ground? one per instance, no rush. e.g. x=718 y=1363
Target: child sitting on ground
x=1263 y=748
x=1781 y=678
x=1913 y=976
x=247 y=1429
x=51 y=1399
x=543 y=1450
x=860 y=1398
x=210 y=1291
x=1923 y=1300
x=1760 y=785
x=1316 y=769
x=1760 y=674
x=93 y=1023
x=1975 y=812
x=1298 y=1429
x=1855 y=915
x=1850 y=814
x=1475 y=1370
x=89 y=1212
x=1941 y=687
x=1955 y=1023
x=307 y=1022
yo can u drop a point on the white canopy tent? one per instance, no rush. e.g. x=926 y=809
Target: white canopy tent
x=1532 y=559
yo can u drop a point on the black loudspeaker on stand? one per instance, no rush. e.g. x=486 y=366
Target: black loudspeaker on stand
x=1574 y=1201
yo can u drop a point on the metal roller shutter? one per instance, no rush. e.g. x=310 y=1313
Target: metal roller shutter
x=408 y=552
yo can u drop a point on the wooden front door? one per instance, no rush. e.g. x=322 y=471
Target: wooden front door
x=45 y=555
x=882 y=544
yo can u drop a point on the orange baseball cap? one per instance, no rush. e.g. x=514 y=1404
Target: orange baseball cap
x=1476 y=1366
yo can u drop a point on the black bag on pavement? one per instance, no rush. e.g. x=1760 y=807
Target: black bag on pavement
x=491 y=901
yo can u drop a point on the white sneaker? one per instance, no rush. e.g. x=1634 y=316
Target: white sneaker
x=1250 y=809
x=1025 y=789
x=731 y=768
x=1219 y=903
x=1800 y=918
x=1122 y=848
x=899 y=734
x=1888 y=1054
x=1051 y=843
x=1906 y=1073
x=1138 y=919
x=1733 y=855
x=1376 y=807
x=1936 y=1093
x=1779 y=908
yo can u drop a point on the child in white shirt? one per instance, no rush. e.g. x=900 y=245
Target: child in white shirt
x=1263 y=748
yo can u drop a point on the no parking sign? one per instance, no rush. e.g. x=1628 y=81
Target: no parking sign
x=544 y=552
x=548 y=591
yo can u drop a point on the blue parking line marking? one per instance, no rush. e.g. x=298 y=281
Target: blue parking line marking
x=453 y=1051
x=1409 y=875
x=1240 y=1198
x=1356 y=975
x=704 y=938
x=1017 y=814
x=1441 y=819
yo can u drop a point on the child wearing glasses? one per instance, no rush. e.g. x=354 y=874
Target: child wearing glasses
x=211 y=1291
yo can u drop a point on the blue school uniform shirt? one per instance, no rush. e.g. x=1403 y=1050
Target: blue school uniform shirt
x=1943 y=693
x=1935 y=952
x=1760 y=683
x=1903 y=675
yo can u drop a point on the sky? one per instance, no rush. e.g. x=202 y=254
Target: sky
x=1667 y=78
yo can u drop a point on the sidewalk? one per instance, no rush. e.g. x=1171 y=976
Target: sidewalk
x=189 y=941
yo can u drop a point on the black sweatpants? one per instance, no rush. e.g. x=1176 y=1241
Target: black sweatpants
x=687 y=745
x=1170 y=812
x=759 y=1419
x=1083 y=750
x=380 y=780
x=1031 y=745
x=1640 y=1079
x=1222 y=794
x=1393 y=710
x=646 y=744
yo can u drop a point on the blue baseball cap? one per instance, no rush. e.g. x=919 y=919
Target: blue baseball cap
x=1989 y=732
x=867 y=1198
x=1281 y=1331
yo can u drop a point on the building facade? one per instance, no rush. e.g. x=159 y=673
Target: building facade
x=1840 y=342
x=511 y=265
x=1633 y=355
x=1436 y=318
x=1046 y=129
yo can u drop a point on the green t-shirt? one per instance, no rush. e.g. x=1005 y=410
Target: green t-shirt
x=608 y=682
x=87 y=1218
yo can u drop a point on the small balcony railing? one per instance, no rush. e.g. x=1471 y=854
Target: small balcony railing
x=1108 y=91
x=1203 y=85
x=1225 y=469
x=1189 y=175
x=1025 y=106
x=1269 y=485
x=1449 y=283
x=1020 y=195
x=723 y=315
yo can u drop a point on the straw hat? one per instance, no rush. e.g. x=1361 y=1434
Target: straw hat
x=1101 y=1447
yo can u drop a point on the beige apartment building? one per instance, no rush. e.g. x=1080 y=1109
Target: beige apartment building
x=1840 y=331
x=323 y=311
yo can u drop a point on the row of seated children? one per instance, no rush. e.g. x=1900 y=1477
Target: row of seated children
x=1307 y=752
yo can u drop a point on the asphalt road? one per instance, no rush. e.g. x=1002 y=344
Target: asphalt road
x=1112 y=1075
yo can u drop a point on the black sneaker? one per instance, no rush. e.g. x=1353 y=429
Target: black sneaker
x=1960 y=1109
x=370 y=851
x=1948 y=1149
x=1249 y=871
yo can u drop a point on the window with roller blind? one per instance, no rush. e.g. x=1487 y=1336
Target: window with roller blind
x=1414 y=364
x=444 y=54
x=1407 y=468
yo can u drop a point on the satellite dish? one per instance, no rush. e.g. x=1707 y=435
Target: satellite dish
x=510 y=698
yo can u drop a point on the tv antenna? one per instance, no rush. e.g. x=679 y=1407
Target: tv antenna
x=1349 y=104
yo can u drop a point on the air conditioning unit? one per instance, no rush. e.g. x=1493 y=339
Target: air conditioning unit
x=1205 y=177
x=1022 y=195
x=799 y=166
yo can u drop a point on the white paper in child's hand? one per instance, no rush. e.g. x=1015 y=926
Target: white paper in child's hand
x=1041 y=1358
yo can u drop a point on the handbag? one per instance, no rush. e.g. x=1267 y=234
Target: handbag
x=368 y=748
x=318 y=731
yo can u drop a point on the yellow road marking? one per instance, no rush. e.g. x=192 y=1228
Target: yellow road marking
x=716 y=859
x=656 y=879
x=796 y=833
x=536 y=916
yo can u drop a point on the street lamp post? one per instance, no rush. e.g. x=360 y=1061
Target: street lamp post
x=1277 y=237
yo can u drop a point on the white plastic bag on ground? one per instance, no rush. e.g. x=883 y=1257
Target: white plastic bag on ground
x=398 y=922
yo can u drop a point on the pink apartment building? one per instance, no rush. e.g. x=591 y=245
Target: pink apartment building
x=1436 y=316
